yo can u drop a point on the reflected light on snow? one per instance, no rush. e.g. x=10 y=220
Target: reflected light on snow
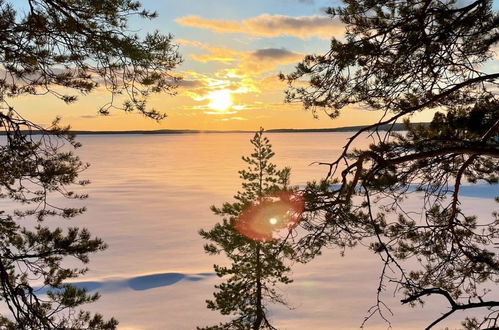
x=273 y=217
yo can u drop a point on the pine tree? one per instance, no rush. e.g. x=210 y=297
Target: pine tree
x=254 y=235
x=63 y=48
x=402 y=58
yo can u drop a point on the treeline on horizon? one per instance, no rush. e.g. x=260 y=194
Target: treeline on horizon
x=394 y=127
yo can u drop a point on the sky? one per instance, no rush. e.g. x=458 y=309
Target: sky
x=233 y=52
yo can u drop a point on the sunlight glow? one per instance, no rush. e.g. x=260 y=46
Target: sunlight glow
x=272 y=218
x=220 y=100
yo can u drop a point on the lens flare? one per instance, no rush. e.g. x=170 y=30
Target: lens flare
x=272 y=217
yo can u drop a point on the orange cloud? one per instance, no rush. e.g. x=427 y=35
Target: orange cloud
x=234 y=118
x=249 y=63
x=271 y=26
x=218 y=54
x=250 y=73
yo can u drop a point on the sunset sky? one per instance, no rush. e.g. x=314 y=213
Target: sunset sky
x=233 y=51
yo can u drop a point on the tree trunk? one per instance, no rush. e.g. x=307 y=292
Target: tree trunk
x=259 y=308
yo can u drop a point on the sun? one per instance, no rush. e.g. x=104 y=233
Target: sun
x=220 y=100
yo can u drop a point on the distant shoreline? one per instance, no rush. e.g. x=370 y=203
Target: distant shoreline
x=396 y=127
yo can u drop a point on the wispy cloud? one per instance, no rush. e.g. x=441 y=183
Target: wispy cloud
x=188 y=83
x=219 y=54
x=244 y=63
x=234 y=118
x=271 y=25
x=274 y=54
x=265 y=60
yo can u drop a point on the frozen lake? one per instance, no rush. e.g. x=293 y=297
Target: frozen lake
x=149 y=196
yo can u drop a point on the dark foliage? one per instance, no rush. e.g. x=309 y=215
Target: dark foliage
x=401 y=58
x=63 y=48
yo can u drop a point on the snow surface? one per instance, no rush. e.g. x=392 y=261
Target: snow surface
x=151 y=194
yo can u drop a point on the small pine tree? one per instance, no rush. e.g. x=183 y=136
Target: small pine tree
x=253 y=235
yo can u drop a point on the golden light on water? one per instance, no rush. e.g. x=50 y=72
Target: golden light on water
x=273 y=217
x=220 y=100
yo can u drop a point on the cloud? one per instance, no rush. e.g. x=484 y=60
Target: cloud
x=219 y=54
x=279 y=54
x=271 y=26
x=189 y=83
x=234 y=118
x=245 y=63
x=266 y=60
x=249 y=74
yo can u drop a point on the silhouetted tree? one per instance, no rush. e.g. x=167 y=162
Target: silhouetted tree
x=403 y=58
x=255 y=236
x=63 y=48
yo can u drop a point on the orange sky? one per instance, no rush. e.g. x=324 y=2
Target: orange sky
x=233 y=52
